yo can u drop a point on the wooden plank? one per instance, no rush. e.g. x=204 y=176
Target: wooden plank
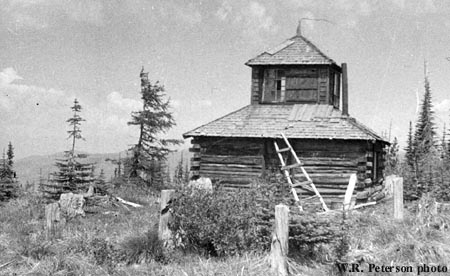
x=279 y=247
x=53 y=218
x=398 y=198
x=349 y=192
x=164 y=232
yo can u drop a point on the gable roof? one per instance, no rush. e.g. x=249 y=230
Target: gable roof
x=302 y=121
x=294 y=51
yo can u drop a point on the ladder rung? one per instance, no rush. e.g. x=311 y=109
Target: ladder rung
x=304 y=185
x=288 y=167
x=311 y=197
x=283 y=150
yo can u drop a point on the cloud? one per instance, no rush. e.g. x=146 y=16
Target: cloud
x=224 y=11
x=116 y=100
x=258 y=17
x=8 y=75
x=40 y=14
x=443 y=106
x=35 y=117
x=147 y=12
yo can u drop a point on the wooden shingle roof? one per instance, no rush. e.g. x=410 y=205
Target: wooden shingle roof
x=295 y=51
x=302 y=121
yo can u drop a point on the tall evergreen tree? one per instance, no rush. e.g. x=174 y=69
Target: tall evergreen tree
x=409 y=149
x=424 y=138
x=425 y=144
x=153 y=120
x=73 y=174
x=8 y=186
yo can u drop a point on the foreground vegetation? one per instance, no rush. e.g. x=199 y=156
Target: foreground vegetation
x=120 y=241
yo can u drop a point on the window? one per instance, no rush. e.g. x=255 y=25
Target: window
x=274 y=86
x=291 y=85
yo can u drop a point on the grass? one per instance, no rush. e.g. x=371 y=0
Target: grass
x=123 y=242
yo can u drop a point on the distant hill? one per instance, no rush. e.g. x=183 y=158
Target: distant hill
x=29 y=169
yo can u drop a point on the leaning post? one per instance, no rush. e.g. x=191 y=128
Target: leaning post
x=398 y=198
x=163 y=229
x=279 y=247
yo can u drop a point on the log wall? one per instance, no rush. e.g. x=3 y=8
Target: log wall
x=235 y=162
x=230 y=162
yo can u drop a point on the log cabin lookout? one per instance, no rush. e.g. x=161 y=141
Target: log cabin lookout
x=299 y=91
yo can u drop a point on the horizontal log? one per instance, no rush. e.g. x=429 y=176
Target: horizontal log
x=330 y=169
x=222 y=165
x=329 y=162
x=334 y=154
x=233 y=159
x=224 y=173
x=322 y=191
x=237 y=186
x=332 y=186
x=229 y=169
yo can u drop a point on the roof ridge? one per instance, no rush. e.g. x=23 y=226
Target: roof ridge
x=294 y=50
x=314 y=46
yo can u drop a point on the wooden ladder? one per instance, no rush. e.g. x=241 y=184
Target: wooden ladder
x=309 y=185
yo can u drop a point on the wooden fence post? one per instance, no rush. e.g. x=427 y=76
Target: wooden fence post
x=163 y=229
x=349 y=193
x=398 y=198
x=53 y=217
x=279 y=247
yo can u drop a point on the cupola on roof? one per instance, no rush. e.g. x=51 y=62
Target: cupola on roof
x=295 y=51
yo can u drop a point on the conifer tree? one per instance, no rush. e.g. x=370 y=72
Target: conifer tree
x=101 y=186
x=8 y=186
x=424 y=138
x=73 y=175
x=409 y=149
x=179 y=171
x=10 y=155
x=153 y=120
x=443 y=144
x=425 y=145
x=392 y=161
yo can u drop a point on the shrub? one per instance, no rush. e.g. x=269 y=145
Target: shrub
x=224 y=223
x=312 y=233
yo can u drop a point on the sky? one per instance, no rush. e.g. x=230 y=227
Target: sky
x=52 y=51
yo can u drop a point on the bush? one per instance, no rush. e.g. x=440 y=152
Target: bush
x=222 y=223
